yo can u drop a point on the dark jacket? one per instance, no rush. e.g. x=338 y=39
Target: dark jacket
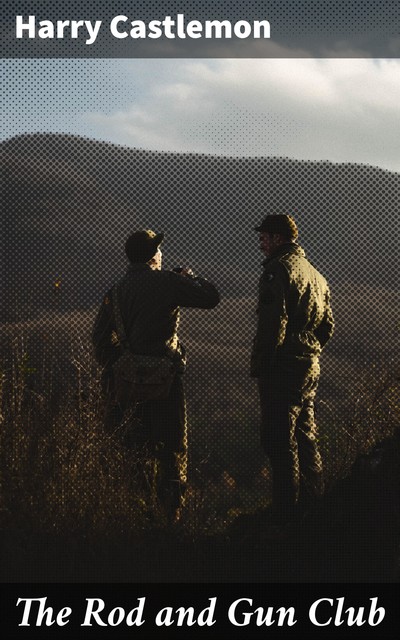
x=294 y=314
x=149 y=302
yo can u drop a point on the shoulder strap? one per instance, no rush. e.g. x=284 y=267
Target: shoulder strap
x=119 y=325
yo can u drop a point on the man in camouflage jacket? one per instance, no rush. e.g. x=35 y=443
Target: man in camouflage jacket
x=149 y=300
x=295 y=322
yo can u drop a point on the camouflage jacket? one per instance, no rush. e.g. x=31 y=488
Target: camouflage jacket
x=294 y=312
x=149 y=302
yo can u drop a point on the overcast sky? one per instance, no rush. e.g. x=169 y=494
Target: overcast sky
x=338 y=110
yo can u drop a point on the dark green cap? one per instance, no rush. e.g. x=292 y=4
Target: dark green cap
x=141 y=245
x=282 y=224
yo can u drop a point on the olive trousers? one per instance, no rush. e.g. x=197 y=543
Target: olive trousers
x=289 y=433
x=158 y=426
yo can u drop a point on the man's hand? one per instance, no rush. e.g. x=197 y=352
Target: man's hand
x=187 y=271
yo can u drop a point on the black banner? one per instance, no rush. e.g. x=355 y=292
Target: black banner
x=201 y=611
x=245 y=29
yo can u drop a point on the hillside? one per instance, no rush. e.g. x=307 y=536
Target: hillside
x=69 y=203
x=68 y=488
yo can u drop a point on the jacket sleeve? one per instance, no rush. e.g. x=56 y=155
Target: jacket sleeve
x=103 y=333
x=272 y=319
x=194 y=292
x=325 y=330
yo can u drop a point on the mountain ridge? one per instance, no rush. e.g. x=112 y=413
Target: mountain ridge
x=70 y=202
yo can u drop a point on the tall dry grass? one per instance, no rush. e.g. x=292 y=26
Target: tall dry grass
x=61 y=472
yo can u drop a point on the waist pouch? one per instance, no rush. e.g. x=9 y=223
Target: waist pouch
x=138 y=378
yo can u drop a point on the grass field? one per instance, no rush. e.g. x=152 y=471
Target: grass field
x=75 y=503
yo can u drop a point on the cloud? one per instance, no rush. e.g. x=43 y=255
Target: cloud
x=338 y=110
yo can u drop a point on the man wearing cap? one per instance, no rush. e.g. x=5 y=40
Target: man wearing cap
x=149 y=299
x=294 y=323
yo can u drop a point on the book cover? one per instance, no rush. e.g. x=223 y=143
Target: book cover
x=196 y=120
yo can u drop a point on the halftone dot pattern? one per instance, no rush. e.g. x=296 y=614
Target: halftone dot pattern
x=243 y=131
x=70 y=203
x=58 y=94
x=336 y=29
